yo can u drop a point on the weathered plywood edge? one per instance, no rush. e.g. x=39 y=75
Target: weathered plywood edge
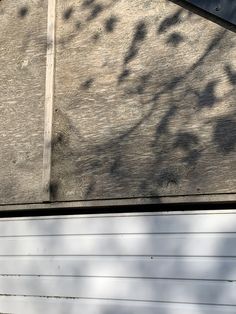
x=191 y=200
x=49 y=97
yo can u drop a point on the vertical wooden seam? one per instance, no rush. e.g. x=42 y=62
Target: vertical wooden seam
x=49 y=97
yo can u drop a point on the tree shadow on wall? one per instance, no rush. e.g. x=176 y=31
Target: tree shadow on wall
x=151 y=170
x=160 y=99
x=127 y=170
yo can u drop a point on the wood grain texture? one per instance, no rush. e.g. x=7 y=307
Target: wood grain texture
x=22 y=81
x=144 y=102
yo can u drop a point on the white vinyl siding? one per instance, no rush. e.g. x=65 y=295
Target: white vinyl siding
x=165 y=263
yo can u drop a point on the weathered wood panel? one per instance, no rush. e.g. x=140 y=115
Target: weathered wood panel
x=22 y=80
x=145 y=101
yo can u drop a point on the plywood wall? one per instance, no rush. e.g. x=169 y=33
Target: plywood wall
x=144 y=101
x=22 y=79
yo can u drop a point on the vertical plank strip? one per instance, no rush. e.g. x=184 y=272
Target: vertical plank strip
x=49 y=96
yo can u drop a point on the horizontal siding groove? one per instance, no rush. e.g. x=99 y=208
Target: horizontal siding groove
x=120 y=255
x=39 y=305
x=112 y=299
x=198 y=234
x=166 y=290
x=116 y=234
x=116 y=277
